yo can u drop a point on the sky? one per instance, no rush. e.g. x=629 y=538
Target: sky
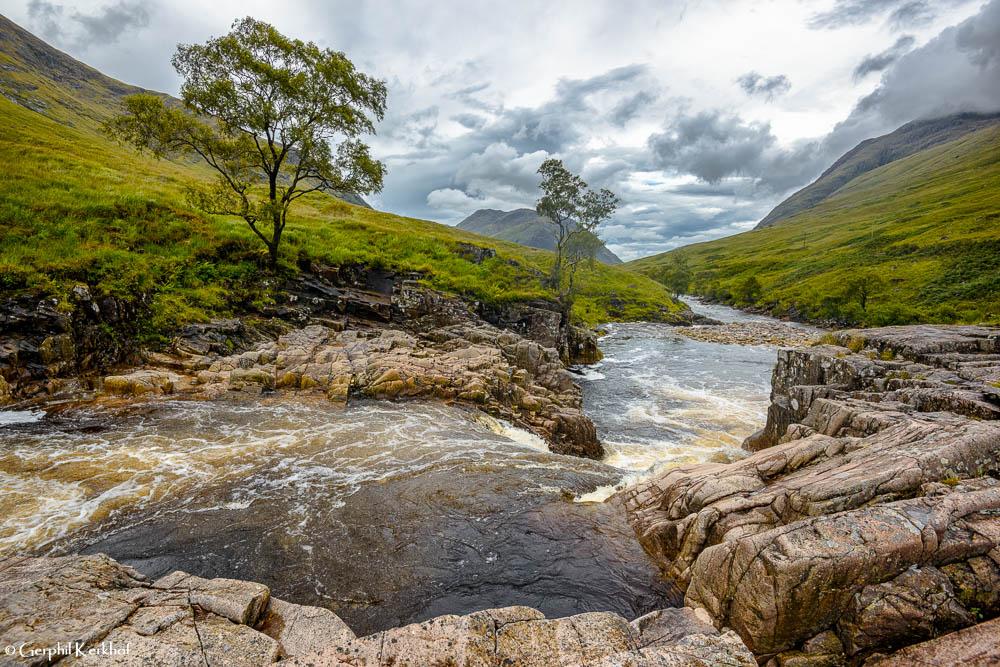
x=700 y=115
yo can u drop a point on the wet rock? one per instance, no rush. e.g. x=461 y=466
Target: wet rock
x=978 y=646
x=99 y=607
x=497 y=371
x=868 y=517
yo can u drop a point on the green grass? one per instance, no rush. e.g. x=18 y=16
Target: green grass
x=925 y=228
x=77 y=208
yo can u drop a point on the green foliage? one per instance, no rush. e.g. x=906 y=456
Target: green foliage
x=676 y=274
x=262 y=110
x=916 y=240
x=77 y=208
x=575 y=211
x=748 y=291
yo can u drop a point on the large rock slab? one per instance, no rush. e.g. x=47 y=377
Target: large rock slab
x=90 y=610
x=472 y=362
x=978 y=646
x=866 y=517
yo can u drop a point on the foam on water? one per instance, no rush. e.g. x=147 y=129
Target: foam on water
x=663 y=400
x=90 y=466
x=8 y=417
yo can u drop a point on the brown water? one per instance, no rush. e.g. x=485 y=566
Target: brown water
x=387 y=513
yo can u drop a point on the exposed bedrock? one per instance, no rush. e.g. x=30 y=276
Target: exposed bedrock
x=344 y=331
x=92 y=606
x=867 y=517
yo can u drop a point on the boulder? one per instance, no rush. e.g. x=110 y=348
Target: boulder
x=867 y=516
x=101 y=612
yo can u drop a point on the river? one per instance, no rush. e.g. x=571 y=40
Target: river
x=385 y=512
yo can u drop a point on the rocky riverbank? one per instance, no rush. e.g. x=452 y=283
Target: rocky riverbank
x=750 y=333
x=868 y=518
x=90 y=610
x=341 y=332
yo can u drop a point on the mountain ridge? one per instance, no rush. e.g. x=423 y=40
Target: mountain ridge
x=876 y=152
x=914 y=240
x=523 y=226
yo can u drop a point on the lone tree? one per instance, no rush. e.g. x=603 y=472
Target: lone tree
x=677 y=275
x=575 y=211
x=862 y=286
x=276 y=118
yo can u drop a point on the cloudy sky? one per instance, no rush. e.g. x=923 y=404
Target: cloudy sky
x=700 y=115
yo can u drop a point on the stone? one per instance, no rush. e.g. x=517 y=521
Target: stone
x=140 y=382
x=119 y=618
x=300 y=630
x=978 y=646
x=867 y=515
x=239 y=601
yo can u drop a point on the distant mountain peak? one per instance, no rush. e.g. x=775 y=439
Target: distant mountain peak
x=524 y=226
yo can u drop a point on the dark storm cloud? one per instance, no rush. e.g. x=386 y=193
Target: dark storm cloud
x=471 y=121
x=711 y=145
x=81 y=30
x=877 y=62
x=959 y=70
x=768 y=87
x=900 y=14
x=630 y=107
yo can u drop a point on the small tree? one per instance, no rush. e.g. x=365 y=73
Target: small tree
x=263 y=110
x=861 y=287
x=749 y=291
x=677 y=274
x=575 y=211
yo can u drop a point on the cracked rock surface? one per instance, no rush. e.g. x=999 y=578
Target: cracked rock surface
x=452 y=355
x=867 y=517
x=94 y=602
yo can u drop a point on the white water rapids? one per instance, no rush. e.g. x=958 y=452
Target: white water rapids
x=385 y=512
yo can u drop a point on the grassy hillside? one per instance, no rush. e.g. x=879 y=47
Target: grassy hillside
x=523 y=226
x=874 y=153
x=920 y=235
x=77 y=208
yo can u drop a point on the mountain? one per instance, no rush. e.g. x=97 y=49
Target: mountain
x=874 y=153
x=522 y=226
x=77 y=208
x=914 y=240
x=52 y=83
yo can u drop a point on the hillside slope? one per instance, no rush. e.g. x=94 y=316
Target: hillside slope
x=101 y=214
x=522 y=226
x=874 y=153
x=915 y=240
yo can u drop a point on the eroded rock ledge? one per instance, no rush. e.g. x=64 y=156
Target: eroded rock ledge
x=867 y=519
x=115 y=616
x=336 y=330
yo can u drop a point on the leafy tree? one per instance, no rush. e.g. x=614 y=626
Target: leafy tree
x=677 y=275
x=749 y=291
x=861 y=287
x=575 y=211
x=276 y=118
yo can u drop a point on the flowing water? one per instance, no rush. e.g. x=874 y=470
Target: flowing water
x=386 y=512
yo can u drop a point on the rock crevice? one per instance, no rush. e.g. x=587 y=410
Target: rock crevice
x=867 y=516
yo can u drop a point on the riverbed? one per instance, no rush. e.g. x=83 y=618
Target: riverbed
x=386 y=512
